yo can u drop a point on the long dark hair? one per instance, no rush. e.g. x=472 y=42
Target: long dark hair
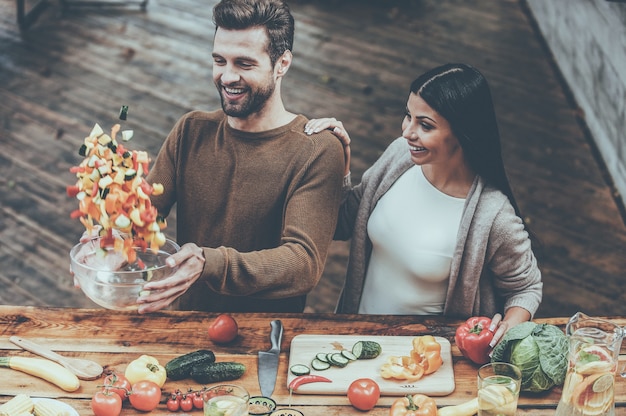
x=273 y=15
x=460 y=94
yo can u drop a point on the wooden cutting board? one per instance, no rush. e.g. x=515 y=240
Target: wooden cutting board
x=304 y=347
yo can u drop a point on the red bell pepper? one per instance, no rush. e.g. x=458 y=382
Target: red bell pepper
x=473 y=338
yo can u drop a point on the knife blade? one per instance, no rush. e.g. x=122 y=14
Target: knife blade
x=268 y=360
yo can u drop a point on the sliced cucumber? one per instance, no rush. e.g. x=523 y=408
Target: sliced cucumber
x=349 y=355
x=337 y=359
x=300 y=370
x=322 y=357
x=365 y=350
x=320 y=365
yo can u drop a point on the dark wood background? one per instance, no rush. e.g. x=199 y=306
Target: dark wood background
x=354 y=60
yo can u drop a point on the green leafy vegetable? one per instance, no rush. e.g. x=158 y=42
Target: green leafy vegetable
x=539 y=350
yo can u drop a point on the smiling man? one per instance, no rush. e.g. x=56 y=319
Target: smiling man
x=256 y=198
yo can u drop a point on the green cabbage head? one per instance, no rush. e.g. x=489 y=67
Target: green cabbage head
x=539 y=350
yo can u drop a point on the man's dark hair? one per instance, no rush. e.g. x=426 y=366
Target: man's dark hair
x=273 y=15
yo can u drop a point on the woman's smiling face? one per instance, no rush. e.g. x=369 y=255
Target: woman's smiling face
x=430 y=136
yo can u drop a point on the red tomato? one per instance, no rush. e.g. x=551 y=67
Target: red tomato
x=106 y=403
x=117 y=383
x=186 y=403
x=364 y=393
x=145 y=395
x=223 y=329
x=198 y=401
x=173 y=404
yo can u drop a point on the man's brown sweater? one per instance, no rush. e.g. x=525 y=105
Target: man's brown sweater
x=263 y=206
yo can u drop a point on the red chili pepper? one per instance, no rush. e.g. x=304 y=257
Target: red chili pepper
x=148 y=215
x=94 y=189
x=473 y=338
x=310 y=378
x=72 y=190
x=146 y=187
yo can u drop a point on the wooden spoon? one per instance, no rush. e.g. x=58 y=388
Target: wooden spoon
x=84 y=369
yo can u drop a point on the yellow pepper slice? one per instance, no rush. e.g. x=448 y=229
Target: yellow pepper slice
x=425 y=358
x=427 y=352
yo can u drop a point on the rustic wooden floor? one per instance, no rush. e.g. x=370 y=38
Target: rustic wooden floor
x=353 y=60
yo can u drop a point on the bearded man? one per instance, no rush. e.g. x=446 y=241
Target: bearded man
x=256 y=198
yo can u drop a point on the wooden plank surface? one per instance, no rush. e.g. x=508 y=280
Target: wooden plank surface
x=353 y=60
x=304 y=347
x=115 y=338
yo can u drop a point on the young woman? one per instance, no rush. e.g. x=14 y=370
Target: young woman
x=434 y=224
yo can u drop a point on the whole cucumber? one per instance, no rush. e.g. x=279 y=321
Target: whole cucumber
x=180 y=367
x=216 y=372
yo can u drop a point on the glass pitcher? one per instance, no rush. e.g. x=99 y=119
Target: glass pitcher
x=594 y=346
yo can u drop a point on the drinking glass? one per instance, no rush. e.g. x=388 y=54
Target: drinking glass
x=226 y=400
x=498 y=389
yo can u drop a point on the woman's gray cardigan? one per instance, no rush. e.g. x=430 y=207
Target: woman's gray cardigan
x=493 y=267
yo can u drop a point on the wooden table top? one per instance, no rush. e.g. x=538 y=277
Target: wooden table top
x=113 y=339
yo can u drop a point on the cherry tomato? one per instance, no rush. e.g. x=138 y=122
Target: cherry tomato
x=179 y=394
x=186 y=403
x=223 y=329
x=145 y=395
x=117 y=383
x=106 y=403
x=173 y=404
x=364 y=393
x=198 y=401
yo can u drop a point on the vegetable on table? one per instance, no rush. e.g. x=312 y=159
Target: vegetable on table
x=310 y=378
x=180 y=367
x=117 y=383
x=414 y=405
x=106 y=403
x=216 y=372
x=173 y=403
x=425 y=358
x=145 y=395
x=401 y=368
x=223 y=329
x=45 y=369
x=366 y=350
x=363 y=393
x=539 y=350
x=147 y=368
x=427 y=352
x=473 y=338
x=299 y=370
x=469 y=408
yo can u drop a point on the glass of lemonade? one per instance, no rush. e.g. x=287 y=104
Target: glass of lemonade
x=498 y=389
x=226 y=400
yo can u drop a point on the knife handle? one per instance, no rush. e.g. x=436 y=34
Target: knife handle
x=276 y=334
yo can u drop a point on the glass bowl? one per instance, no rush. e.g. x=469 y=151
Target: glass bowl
x=111 y=282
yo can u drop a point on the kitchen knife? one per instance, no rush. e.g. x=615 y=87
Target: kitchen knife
x=268 y=360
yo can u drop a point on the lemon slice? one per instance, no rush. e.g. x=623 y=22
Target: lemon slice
x=594 y=367
x=494 y=396
x=571 y=382
x=603 y=383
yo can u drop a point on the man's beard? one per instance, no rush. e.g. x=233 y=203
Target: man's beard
x=253 y=103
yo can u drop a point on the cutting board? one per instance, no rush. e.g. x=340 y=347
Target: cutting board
x=304 y=347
